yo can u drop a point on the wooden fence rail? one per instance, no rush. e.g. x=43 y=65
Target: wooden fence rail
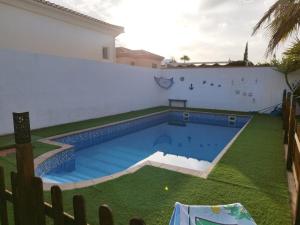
x=297 y=174
x=27 y=196
x=291 y=138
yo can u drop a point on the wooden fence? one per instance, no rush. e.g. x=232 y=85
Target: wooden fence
x=292 y=139
x=27 y=196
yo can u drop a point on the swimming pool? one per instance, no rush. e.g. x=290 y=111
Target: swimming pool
x=187 y=142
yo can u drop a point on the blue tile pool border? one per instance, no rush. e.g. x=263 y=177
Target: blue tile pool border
x=198 y=117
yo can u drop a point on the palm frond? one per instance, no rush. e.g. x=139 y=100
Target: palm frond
x=266 y=16
x=294 y=50
x=282 y=20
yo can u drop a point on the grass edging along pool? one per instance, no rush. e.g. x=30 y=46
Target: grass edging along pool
x=169 y=139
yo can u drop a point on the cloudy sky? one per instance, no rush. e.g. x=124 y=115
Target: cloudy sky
x=205 y=30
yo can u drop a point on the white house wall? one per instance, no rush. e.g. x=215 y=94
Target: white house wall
x=24 y=30
x=58 y=90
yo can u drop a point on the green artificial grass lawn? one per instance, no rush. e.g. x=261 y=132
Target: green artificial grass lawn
x=252 y=172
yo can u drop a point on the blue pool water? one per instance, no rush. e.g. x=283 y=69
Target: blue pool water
x=196 y=141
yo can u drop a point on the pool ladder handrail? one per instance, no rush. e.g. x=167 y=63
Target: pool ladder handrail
x=186 y=116
x=231 y=119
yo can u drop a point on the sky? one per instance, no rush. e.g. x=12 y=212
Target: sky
x=205 y=30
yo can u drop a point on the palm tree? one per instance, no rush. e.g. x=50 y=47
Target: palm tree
x=185 y=58
x=290 y=62
x=294 y=50
x=281 y=21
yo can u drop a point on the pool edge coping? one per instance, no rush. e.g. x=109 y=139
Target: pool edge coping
x=86 y=183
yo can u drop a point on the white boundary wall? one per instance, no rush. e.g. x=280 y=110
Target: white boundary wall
x=234 y=88
x=57 y=90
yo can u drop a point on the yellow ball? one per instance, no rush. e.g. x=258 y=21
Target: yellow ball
x=216 y=209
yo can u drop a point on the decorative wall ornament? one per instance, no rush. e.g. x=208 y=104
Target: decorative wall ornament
x=164 y=83
x=211 y=84
x=204 y=82
x=181 y=78
x=237 y=92
x=191 y=87
x=219 y=85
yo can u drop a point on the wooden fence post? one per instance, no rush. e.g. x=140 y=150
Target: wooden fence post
x=79 y=210
x=14 y=190
x=3 y=202
x=24 y=154
x=57 y=204
x=136 y=221
x=297 y=213
x=39 y=201
x=25 y=168
x=105 y=215
x=297 y=210
x=291 y=134
x=283 y=108
x=287 y=117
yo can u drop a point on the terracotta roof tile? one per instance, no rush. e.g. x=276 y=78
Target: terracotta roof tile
x=123 y=52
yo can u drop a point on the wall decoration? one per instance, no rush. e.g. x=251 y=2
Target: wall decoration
x=164 y=83
x=237 y=92
x=204 y=82
x=181 y=78
x=211 y=84
x=250 y=94
x=219 y=85
x=191 y=87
